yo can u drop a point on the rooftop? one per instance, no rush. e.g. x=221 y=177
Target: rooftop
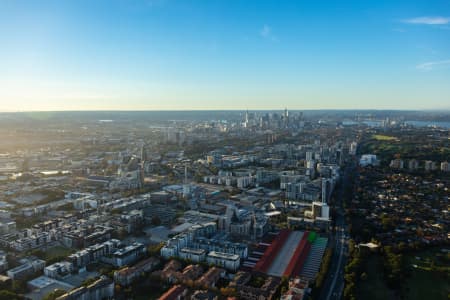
x=222 y=255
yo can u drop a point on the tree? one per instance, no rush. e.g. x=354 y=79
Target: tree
x=349 y=291
x=402 y=246
x=154 y=250
x=156 y=221
x=284 y=284
x=19 y=286
x=89 y=281
x=8 y=295
x=394 y=268
x=364 y=276
x=54 y=294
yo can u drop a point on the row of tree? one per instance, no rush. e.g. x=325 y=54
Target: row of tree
x=353 y=271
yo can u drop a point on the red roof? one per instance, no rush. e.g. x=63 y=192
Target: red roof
x=173 y=293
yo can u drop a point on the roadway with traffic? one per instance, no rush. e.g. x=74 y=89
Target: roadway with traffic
x=334 y=283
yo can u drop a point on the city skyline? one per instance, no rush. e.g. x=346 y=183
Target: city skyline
x=217 y=55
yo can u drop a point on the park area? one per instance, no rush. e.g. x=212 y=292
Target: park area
x=427 y=277
x=430 y=275
x=382 y=137
x=374 y=287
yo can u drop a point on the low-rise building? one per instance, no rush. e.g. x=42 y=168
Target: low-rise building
x=3 y=261
x=177 y=292
x=297 y=289
x=222 y=246
x=204 y=295
x=225 y=260
x=396 y=164
x=210 y=278
x=30 y=267
x=126 y=256
x=265 y=292
x=103 y=288
x=369 y=160
x=413 y=164
x=127 y=275
x=195 y=255
x=7 y=227
x=58 y=270
x=92 y=253
x=430 y=165
x=43 y=285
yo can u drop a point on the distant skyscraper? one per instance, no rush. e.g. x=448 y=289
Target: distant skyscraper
x=286 y=118
x=246 y=120
x=309 y=155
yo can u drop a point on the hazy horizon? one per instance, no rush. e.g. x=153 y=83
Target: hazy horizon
x=233 y=110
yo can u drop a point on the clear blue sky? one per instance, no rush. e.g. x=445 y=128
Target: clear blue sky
x=167 y=54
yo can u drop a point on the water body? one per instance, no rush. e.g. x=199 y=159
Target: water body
x=349 y=123
x=429 y=124
x=368 y=123
x=440 y=124
x=373 y=123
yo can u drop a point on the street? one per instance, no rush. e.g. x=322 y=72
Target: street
x=334 y=283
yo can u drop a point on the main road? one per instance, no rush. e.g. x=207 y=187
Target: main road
x=333 y=286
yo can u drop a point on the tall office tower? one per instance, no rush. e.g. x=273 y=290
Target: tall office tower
x=286 y=118
x=324 y=190
x=246 y=120
x=309 y=155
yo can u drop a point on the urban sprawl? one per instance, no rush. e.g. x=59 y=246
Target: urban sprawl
x=241 y=205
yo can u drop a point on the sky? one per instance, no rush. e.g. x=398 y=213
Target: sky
x=229 y=54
